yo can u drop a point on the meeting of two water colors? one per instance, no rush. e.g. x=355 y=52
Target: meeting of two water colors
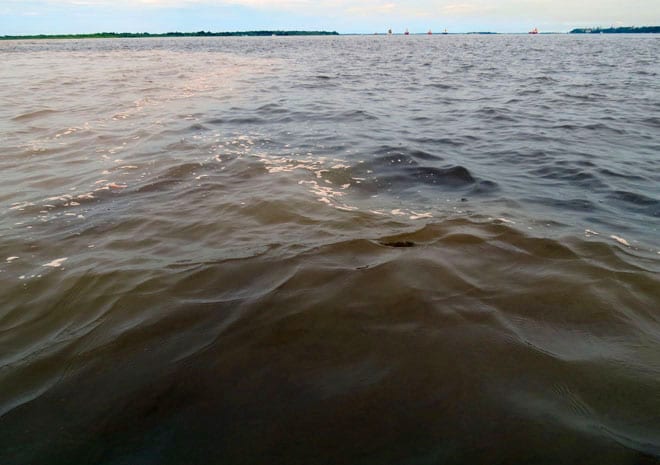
x=348 y=250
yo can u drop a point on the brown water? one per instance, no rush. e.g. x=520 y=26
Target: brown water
x=388 y=250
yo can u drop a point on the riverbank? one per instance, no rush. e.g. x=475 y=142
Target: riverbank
x=123 y=35
x=618 y=30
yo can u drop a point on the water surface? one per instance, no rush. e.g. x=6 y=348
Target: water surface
x=388 y=250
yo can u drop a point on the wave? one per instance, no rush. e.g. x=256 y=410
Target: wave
x=34 y=115
x=342 y=320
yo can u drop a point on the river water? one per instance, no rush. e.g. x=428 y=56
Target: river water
x=330 y=250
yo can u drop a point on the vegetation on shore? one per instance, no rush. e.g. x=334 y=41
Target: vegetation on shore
x=112 y=35
x=617 y=30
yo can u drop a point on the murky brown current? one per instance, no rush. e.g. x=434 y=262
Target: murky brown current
x=346 y=250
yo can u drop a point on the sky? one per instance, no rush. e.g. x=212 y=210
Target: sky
x=21 y=17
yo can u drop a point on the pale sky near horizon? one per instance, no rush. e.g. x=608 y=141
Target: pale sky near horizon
x=345 y=16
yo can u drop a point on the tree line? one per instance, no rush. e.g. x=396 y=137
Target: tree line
x=617 y=30
x=110 y=35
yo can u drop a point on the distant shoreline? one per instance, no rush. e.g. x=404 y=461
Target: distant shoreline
x=618 y=30
x=121 y=35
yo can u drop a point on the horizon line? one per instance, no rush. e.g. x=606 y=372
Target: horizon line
x=292 y=32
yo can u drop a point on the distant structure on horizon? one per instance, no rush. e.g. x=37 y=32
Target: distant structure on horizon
x=534 y=31
x=407 y=32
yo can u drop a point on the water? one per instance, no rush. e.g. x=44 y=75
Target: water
x=386 y=250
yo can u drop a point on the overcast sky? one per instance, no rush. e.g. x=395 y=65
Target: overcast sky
x=344 y=16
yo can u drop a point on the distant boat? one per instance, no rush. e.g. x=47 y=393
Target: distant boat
x=430 y=32
x=389 y=32
x=534 y=31
x=406 y=33
x=445 y=31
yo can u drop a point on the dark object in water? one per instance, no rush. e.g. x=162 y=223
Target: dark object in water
x=399 y=244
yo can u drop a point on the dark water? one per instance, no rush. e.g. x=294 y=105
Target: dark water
x=339 y=250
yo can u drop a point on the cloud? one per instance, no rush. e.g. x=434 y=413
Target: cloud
x=261 y=4
x=344 y=15
x=372 y=9
x=460 y=9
